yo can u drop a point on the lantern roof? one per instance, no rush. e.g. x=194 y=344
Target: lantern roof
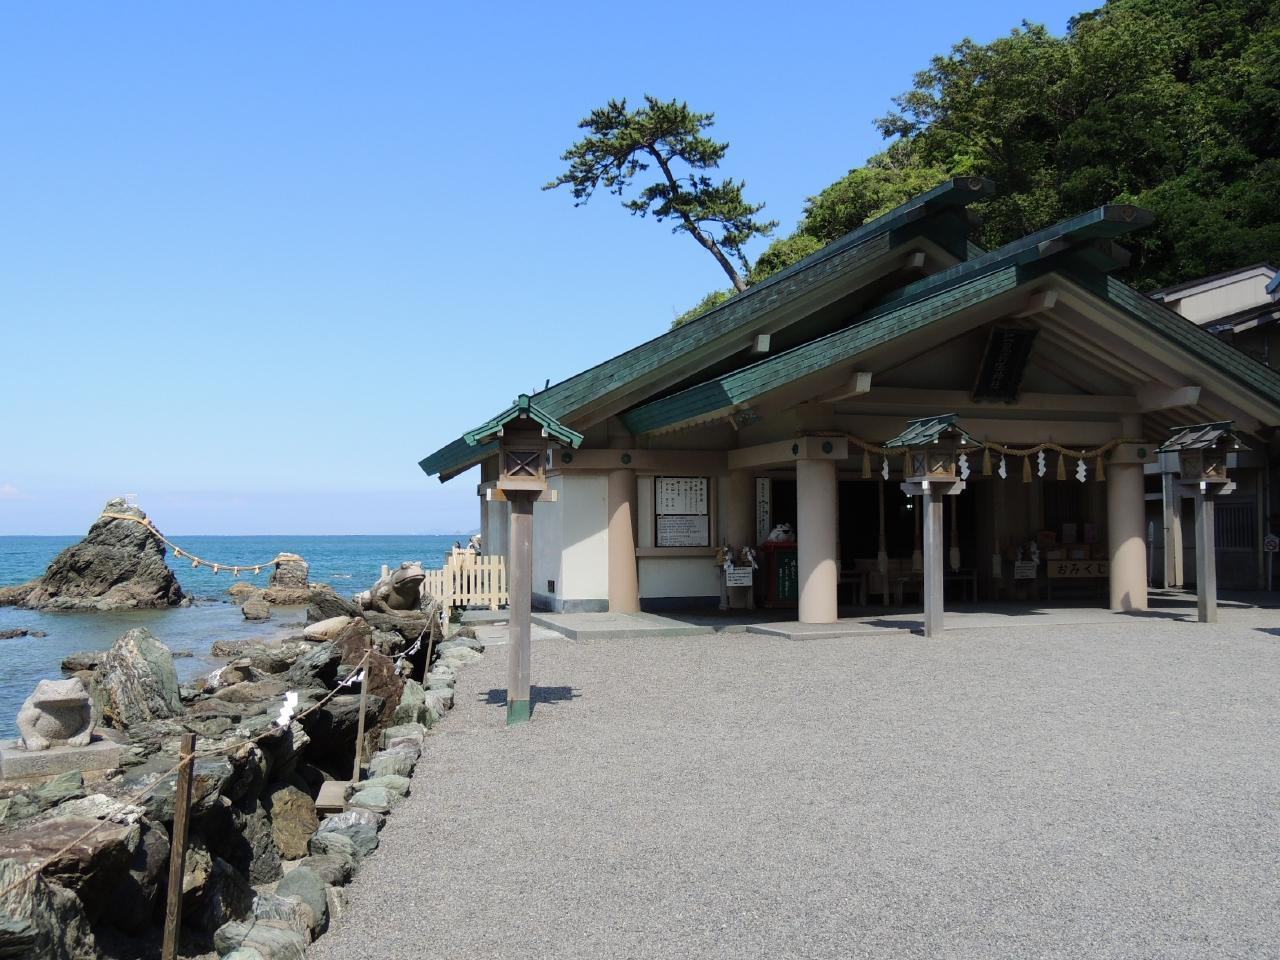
x=523 y=409
x=928 y=430
x=1202 y=436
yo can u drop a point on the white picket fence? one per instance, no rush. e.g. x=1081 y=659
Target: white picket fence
x=469 y=579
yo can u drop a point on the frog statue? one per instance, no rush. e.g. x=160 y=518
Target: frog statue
x=397 y=591
x=58 y=713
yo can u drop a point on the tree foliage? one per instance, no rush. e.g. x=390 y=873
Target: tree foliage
x=1173 y=105
x=668 y=137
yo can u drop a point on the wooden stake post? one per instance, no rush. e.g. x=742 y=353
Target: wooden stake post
x=520 y=606
x=178 y=848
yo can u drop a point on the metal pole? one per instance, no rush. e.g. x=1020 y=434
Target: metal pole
x=178 y=848
x=931 y=504
x=520 y=607
x=1206 y=561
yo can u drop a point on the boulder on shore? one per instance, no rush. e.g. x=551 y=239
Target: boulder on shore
x=119 y=565
x=136 y=681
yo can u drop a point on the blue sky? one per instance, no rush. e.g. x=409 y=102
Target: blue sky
x=253 y=255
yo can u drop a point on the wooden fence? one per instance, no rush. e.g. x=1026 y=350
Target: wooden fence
x=469 y=579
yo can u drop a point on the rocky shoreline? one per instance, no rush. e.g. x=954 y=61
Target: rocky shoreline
x=264 y=867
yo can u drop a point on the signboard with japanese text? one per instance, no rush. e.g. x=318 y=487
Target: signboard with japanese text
x=1068 y=569
x=681 y=514
x=737 y=576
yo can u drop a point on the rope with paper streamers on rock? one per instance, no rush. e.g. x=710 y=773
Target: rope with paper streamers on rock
x=196 y=562
x=990 y=446
x=284 y=721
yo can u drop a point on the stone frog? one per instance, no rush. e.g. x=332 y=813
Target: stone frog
x=58 y=713
x=399 y=590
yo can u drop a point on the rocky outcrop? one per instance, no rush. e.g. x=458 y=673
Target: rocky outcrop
x=42 y=919
x=119 y=565
x=136 y=681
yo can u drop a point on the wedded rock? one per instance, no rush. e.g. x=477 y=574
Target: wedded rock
x=256 y=609
x=293 y=820
x=40 y=919
x=136 y=681
x=291 y=571
x=270 y=939
x=120 y=564
x=326 y=629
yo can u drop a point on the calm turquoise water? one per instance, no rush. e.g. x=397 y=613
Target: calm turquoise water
x=348 y=564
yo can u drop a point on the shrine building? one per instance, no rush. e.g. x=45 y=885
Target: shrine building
x=764 y=423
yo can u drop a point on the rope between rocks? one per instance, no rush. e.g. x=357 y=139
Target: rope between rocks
x=188 y=555
x=146 y=791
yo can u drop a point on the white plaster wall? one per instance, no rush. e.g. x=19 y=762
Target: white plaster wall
x=548 y=538
x=1225 y=300
x=678 y=577
x=585 y=537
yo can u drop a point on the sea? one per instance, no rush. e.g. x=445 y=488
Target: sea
x=348 y=564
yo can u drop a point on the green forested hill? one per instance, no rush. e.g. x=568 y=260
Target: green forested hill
x=1170 y=104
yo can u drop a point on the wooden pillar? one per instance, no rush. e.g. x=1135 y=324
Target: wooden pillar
x=1126 y=510
x=1171 y=498
x=931 y=509
x=740 y=524
x=624 y=584
x=520 y=601
x=1206 y=561
x=816 y=536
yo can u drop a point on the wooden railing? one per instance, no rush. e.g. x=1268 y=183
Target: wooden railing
x=469 y=579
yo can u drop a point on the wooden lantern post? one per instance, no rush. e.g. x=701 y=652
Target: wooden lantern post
x=931 y=446
x=524 y=435
x=1202 y=464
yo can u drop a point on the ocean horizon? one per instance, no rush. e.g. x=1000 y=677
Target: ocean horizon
x=348 y=563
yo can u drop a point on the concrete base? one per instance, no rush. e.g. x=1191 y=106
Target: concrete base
x=608 y=626
x=17 y=763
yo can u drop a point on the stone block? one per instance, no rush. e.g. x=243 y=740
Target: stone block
x=19 y=764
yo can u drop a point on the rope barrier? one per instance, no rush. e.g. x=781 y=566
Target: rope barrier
x=182 y=759
x=990 y=446
x=188 y=555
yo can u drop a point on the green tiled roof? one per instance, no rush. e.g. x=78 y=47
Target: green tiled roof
x=476 y=445
x=1200 y=437
x=928 y=430
x=873 y=239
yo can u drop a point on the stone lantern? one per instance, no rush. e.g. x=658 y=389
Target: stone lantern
x=930 y=471
x=524 y=435
x=1202 y=462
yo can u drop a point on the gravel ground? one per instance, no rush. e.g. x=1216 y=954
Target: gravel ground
x=1090 y=791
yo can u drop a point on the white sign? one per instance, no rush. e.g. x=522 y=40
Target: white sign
x=682 y=530
x=680 y=495
x=764 y=508
x=1271 y=543
x=1024 y=570
x=737 y=576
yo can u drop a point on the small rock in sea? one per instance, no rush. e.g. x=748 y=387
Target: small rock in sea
x=256 y=610
x=13 y=634
x=85 y=660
